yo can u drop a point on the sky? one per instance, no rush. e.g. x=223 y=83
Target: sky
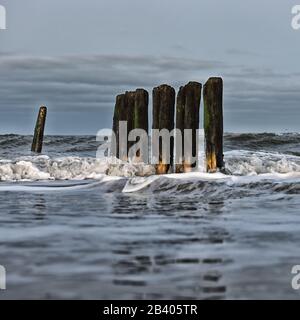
x=76 y=56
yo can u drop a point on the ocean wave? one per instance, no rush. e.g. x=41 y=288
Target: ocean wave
x=243 y=162
x=265 y=139
x=33 y=168
x=286 y=143
x=216 y=186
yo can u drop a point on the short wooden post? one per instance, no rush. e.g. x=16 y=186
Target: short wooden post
x=163 y=118
x=187 y=117
x=37 y=143
x=213 y=123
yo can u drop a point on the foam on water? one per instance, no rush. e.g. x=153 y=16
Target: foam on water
x=241 y=162
x=192 y=180
x=68 y=168
x=33 y=168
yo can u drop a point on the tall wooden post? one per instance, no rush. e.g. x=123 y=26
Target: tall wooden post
x=180 y=108
x=119 y=114
x=141 y=110
x=131 y=107
x=187 y=117
x=140 y=119
x=129 y=116
x=37 y=143
x=124 y=110
x=163 y=118
x=213 y=123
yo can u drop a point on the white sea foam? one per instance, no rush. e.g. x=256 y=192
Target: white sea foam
x=68 y=168
x=138 y=184
x=254 y=163
x=238 y=163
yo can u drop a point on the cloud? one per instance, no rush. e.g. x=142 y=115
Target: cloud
x=82 y=82
x=87 y=80
x=240 y=52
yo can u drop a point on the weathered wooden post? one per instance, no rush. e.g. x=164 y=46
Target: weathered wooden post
x=141 y=110
x=131 y=107
x=187 y=117
x=37 y=143
x=123 y=122
x=180 y=107
x=129 y=117
x=163 y=118
x=213 y=123
x=118 y=115
x=140 y=119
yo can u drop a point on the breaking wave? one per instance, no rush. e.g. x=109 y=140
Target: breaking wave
x=33 y=168
x=254 y=163
x=73 y=158
x=68 y=168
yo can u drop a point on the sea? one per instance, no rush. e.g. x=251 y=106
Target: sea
x=73 y=226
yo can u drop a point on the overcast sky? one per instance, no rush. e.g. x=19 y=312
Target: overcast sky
x=75 y=56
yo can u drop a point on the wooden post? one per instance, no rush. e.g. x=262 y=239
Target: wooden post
x=140 y=117
x=133 y=108
x=141 y=110
x=129 y=107
x=118 y=116
x=124 y=110
x=180 y=107
x=187 y=117
x=37 y=143
x=163 y=118
x=213 y=123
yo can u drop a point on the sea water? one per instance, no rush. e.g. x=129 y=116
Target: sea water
x=73 y=226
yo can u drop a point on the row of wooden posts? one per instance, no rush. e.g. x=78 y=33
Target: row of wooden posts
x=133 y=108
